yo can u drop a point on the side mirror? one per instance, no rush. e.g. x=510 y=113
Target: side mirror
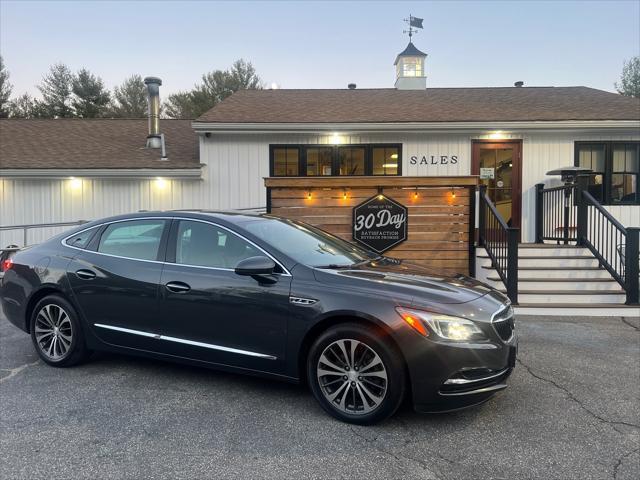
x=255 y=266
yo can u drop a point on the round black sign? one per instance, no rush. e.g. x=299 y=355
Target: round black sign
x=380 y=223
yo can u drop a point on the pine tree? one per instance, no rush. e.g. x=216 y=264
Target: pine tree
x=129 y=99
x=25 y=106
x=5 y=90
x=56 y=92
x=630 y=78
x=216 y=86
x=90 y=98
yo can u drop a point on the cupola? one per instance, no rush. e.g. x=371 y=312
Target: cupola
x=410 y=74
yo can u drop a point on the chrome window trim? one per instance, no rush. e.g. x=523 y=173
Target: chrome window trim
x=286 y=274
x=64 y=240
x=185 y=341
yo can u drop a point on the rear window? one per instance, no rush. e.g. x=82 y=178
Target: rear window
x=139 y=239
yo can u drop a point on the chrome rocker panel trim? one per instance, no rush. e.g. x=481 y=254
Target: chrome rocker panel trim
x=185 y=341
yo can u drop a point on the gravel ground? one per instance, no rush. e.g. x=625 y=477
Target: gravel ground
x=572 y=411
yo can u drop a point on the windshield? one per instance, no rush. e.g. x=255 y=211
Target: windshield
x=308 y=245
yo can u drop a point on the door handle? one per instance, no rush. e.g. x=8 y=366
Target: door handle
x=85 y=274
x=177 y=287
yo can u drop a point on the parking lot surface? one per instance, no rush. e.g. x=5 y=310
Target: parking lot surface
x=572 y=411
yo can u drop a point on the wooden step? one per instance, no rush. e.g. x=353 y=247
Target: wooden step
x=570 y=297
x=563 y=283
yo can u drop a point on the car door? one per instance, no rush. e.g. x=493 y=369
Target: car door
x=115 y=281
x=214 y=314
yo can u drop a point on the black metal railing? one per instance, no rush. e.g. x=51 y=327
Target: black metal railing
x=556 y=214
x=584 y=220
x=501 y=243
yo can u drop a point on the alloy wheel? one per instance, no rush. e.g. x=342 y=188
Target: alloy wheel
x=53 y=332
x=352 y=377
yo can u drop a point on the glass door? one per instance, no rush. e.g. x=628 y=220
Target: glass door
x=498 y=165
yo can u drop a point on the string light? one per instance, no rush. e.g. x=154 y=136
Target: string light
x=453 y=193
x=309 y=195
x=415 y=194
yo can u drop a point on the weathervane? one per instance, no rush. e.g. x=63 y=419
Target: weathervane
x=413 y=22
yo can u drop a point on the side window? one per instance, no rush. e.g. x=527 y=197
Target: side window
x=592 y=155
x=205 y=245
x=138 y=239
x=82 y=239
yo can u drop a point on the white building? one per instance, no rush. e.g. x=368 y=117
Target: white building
x=67 y=170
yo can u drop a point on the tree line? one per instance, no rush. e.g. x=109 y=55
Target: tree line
x=65 y=94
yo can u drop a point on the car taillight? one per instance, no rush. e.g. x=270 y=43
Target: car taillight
x=6 y=265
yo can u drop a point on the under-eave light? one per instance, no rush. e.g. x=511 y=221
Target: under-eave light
x=160 y=183
x=76 y=183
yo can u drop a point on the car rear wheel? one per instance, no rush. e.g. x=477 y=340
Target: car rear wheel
x=56 y=333
x=356 y=375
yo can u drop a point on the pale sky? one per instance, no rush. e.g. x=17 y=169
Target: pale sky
x=323 y=44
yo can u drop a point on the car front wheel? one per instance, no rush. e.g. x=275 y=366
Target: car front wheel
x=56 y=333
x=355 y=375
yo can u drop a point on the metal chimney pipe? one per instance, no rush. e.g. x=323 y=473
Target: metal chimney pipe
x=154 y=139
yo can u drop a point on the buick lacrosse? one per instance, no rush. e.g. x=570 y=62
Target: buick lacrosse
x=266 y=296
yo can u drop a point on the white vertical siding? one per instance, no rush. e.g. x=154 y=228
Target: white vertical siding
x=235 y=165
x=542 y=152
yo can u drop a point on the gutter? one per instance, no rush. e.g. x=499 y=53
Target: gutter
x=460 y=127
x=133 y=173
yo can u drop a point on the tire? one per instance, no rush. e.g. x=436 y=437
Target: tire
x=56 y=332
x=373 y=379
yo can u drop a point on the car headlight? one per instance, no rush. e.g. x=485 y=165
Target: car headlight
x=444 y=326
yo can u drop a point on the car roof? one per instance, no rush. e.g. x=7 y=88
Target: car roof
x=227 y=216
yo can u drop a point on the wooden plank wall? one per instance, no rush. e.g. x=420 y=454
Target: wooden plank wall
x=438 y=216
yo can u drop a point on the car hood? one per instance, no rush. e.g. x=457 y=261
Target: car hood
x=396 y=276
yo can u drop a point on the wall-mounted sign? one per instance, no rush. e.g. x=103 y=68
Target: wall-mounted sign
x=487 y=173
x=433 y=160
x=380 y=223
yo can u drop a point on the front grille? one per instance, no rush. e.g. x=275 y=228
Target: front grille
x=503 y=323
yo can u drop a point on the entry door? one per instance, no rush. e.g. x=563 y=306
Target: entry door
x=214 y=314
x=500 y=165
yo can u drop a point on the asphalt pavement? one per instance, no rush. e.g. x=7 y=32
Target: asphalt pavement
x=572 y=411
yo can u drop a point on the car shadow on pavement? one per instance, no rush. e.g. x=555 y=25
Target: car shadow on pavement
x=276 y=394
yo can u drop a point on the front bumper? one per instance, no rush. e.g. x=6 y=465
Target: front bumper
x=450 y=376
x=436 y=394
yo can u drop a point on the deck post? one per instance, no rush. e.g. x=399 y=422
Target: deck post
x=539 y=212
x=631 y=257
x=582 y=217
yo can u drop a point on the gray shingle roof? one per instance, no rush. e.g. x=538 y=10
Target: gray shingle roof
x=431 y=105
x=94 y=143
